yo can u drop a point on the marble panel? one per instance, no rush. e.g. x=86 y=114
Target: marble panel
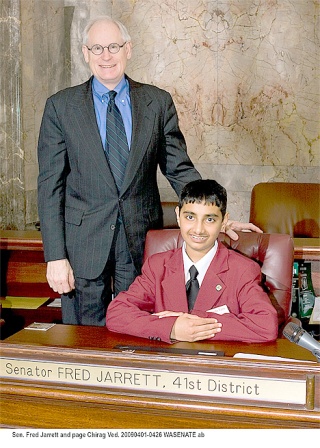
x=241 y=73
x=31 y=209
x=12 y=209
x=44 y=70
x=239 y=181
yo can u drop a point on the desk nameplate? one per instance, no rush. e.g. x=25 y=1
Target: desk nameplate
x=220 y=386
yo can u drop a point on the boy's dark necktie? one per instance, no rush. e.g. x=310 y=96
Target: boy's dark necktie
x=116 y=141
x=192 y=287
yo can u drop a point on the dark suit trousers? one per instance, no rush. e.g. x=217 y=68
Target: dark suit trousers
x=87 y=304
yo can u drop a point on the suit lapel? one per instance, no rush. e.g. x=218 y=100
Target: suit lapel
x=212 y=286
x=174 y=284
x=143 y=118
x=211 y=289
x=83 y=102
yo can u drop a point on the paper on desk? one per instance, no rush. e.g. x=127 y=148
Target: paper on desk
x=267 y=358
x=55 y=303
x=26 y=303
x=42 y=326
x=315 y=316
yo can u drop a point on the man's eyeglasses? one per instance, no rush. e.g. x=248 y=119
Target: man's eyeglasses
x=99 y=49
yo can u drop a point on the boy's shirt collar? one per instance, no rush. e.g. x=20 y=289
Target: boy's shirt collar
x=201 y=265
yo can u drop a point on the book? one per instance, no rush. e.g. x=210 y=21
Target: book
x=295 y=290
x=306 y=291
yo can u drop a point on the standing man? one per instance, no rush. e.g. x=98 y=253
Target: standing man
x=96 y=207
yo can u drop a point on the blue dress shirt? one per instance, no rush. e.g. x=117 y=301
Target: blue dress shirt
x=101 y=100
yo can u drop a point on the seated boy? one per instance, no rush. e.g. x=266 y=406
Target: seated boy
x=228 y=303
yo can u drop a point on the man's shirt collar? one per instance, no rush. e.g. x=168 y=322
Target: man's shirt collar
x=101 y=91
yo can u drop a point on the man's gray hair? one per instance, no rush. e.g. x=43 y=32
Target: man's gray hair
x=123 y=30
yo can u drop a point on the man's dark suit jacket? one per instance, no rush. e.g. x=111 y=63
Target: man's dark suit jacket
x=77 y=196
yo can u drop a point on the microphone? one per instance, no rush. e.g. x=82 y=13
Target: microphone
x=299 y=336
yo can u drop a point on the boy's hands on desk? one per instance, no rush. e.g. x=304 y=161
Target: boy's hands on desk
x=60 y=276
x=191 y=328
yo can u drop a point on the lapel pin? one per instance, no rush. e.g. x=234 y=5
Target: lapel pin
x=218 y=287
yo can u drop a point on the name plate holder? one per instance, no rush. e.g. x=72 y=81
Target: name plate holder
x=220 y=380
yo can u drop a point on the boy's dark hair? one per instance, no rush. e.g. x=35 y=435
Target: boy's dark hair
x=204 y=190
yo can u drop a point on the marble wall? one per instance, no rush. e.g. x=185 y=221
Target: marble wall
x=244 y=75
x=12 y=179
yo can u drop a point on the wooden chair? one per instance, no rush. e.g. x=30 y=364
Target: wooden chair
x=284 y=207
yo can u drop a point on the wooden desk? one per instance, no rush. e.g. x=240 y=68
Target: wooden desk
x=23 y=274
x=23 y=269
x=306 y=248
x=129 y=390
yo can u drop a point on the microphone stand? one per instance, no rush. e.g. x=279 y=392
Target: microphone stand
x=316 y=353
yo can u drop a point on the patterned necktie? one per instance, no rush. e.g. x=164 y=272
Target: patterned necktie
x=116 y=141
x=192 y=287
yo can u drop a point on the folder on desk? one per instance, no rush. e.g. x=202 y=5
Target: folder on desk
x=25 y=303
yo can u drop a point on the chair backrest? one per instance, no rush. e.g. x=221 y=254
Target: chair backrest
x=283 y=207
x=273 y=252
x=169 y=215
